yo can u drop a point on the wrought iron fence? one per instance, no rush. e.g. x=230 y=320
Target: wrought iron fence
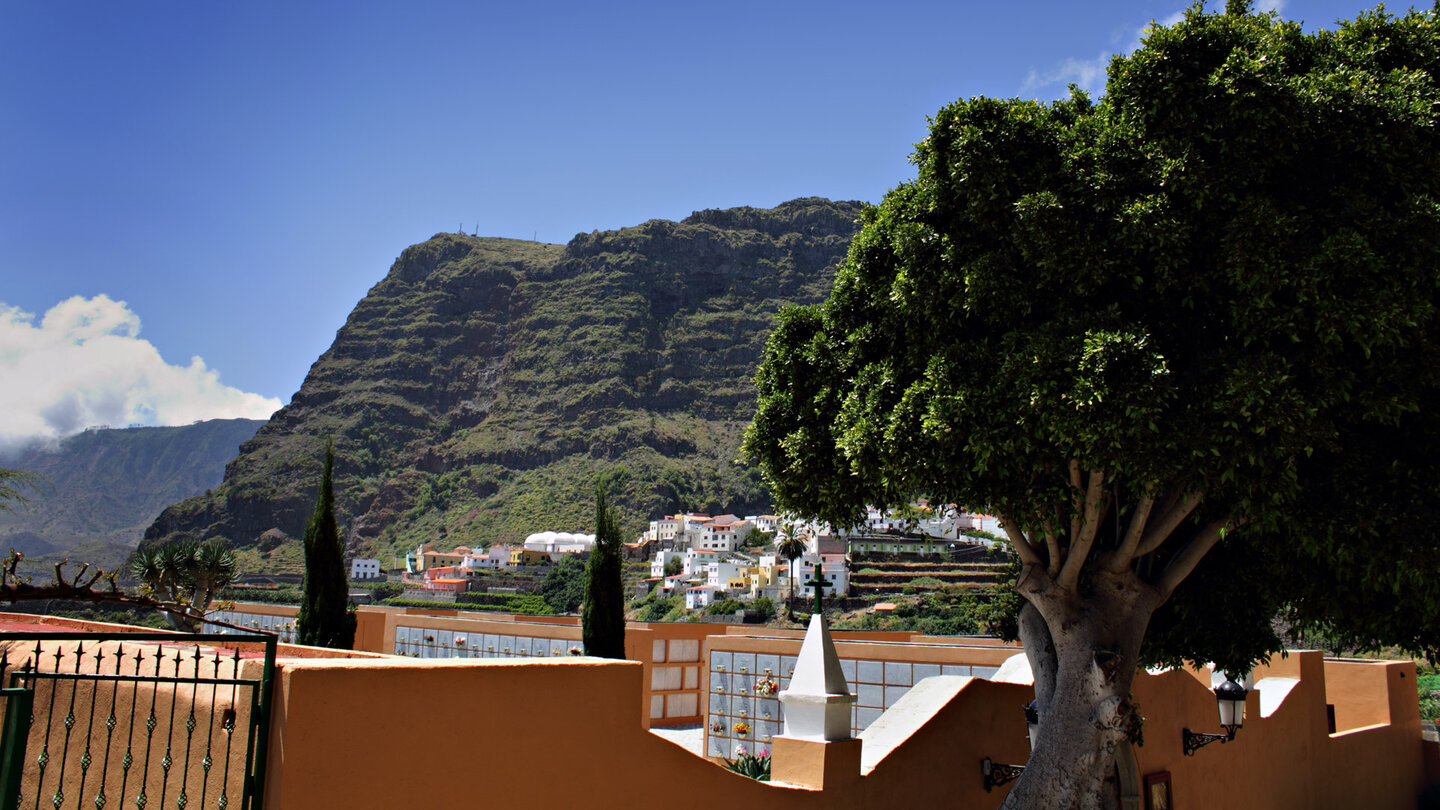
x=142 y=720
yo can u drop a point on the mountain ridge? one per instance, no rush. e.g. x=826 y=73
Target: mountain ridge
x=481 y=387
x=103 y=487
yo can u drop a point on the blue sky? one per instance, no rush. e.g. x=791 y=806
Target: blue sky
x=224 y=181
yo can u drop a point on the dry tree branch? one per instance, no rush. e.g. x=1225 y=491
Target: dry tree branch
x=15 y=587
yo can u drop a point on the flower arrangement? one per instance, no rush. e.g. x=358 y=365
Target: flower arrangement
x=429 y=639
x=717 y=727
x=741 y=729
x=459 y=641
x=766 y=686
x=756 y=767
x=575 y=651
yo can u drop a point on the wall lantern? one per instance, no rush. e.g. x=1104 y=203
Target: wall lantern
x=997 y=774
x=1230 y=697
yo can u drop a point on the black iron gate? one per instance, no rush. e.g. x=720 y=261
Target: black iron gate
x=134 y=720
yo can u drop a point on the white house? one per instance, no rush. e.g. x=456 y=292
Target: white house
x=765 y=523
x=696 y=559
x=364 y=569
x=718 y=536
x=662 y=559
x=719 y=573
x=832 y=568
x=700 y=596
x=491 y=559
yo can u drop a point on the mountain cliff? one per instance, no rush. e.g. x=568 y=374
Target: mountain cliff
x=104 y=487
x=478 y=391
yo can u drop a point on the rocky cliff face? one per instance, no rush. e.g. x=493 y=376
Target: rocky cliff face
x=479 y=390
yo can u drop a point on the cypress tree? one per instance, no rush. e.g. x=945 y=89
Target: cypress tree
x=602 y=622
x=325 y=620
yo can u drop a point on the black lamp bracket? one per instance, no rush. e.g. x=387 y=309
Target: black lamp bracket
x=1194 y=741
x=997 y=774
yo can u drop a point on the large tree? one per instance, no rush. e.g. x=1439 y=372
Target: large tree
x=325 y=619
x=602 y=621
x=1179 y=339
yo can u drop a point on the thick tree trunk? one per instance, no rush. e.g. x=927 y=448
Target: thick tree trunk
x=1083 y=651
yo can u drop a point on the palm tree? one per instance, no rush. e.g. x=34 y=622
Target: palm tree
x=187 y=574
x=791 y=547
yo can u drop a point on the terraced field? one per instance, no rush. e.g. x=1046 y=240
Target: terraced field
x=968 y=568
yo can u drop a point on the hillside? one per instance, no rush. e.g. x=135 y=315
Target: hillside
x=106 y=486
x=478 y=390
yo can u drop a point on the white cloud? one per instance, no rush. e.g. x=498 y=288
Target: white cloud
x=85 y=365
x=1088 y=74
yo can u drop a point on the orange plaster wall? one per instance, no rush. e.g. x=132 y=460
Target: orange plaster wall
x=1288 y=760
x=366 y=734
x=371 y=627
x=361 y=734
x=1360 y=694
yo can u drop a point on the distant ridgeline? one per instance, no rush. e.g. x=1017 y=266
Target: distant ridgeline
x=478 y=390
x=104 y=486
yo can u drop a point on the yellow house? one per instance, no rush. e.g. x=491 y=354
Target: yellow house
x=529 y=556
x=757 y=578
x=439 y=559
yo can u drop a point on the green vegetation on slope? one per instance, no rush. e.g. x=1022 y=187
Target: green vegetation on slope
x=479 y=390
x=101 y=488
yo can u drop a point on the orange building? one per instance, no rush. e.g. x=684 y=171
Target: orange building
x=924 y=749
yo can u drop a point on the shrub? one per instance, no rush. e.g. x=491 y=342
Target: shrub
x=922 y=584
x=265 y=596
x=725 y=606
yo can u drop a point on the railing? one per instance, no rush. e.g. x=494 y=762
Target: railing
x=134 y=720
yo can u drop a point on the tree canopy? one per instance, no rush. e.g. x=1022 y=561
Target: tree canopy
x=1185 y=333
x=564 y=586
x=1217 y=283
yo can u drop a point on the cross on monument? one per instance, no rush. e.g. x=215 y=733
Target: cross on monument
x=819 y=584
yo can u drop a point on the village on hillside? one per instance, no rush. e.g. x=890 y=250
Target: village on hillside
x=709 y=560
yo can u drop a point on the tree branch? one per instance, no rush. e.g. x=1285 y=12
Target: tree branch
x=1184 y=562
x=1097 y=502
x=1120 y=559
x=1052 y=545
x=1169 y=520
x=1077 y=503
x=1027 y=552
x=80 y=588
